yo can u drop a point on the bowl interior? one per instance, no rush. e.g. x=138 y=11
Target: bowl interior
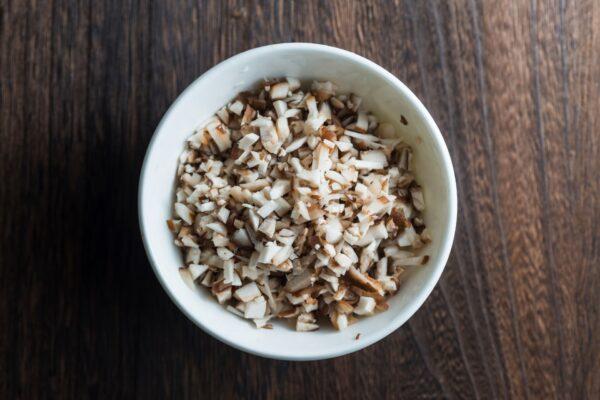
x=385 y=96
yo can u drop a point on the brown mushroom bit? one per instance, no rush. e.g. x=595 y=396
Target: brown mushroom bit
x=297 y=205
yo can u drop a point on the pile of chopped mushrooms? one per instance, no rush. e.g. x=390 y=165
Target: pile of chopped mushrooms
x=298 y=205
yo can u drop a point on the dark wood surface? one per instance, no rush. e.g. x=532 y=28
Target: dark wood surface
x=514 y=87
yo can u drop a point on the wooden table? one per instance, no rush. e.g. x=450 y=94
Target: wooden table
x=514 y=87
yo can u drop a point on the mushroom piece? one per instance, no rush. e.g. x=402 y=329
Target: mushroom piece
x=223 y=295
x=247 y=141
x=365 y=306
x=197 y=270
x=339 y=321
x=184 y=213
x=365 y=281
x=247 y=292
x=279 y=90
x=306 y=322
x=301 y=281
x=256 y=308
x=241 y=238
x=236 y=107
x=192 y=256
x=224 y=253
x=268 y=227
x=417 y=198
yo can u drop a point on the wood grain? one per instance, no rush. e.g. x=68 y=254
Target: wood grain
x=514 y=88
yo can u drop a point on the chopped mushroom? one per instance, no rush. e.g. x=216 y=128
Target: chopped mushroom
x=306 y=322
x=247 y=292
x=279 y=90
x=197 y=270
x=184 y=213
x=365 y=306
x=255 y=308
x=293 y=203
x=301 y=281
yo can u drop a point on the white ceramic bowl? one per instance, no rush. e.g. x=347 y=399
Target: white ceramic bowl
x=383 y=94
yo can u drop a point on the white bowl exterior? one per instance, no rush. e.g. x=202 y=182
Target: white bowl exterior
x=383 y=94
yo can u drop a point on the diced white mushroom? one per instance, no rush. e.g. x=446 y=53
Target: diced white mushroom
x=382 y=268
x=339 y=321
x=236 y=107
x=267 y=209
x=332 y=279
x=375 y=232
x=365 y=306
x=192 y=256
x=224 y=295
x=207 y=281
x=376 y=156
x=249 y=273
x=189 y=242
x=293 y=113
x=270 y=139
x=333 y=230
x=220 y=240
x=268 y=227
x=220 y=135
x=365 y=281
x=408 y=237
x=343 y=260
x=336 y=177
x=223 y=115
x=223 y=215
x=217 y=227
x=389 y=285
x=296 y=300
x=366 y=164
x=296 y=144
x=362 y=123
x=306 y=322
x=184 y=213
x=197 y=270
x=247 y=141
x=344 y=146
x=361 y=136
x=279 y=90
x=302 y=210
x=255 y=308
x=255 y=185
x=267 y=252
x=304 y=280
x=417 y=198
x=224 y=253
x=279 y=188
x=329 y=249
x=247 y=292
x=280 y=107
x=283 y=129
x=282 y=255
x=228 y=271
x=343 y=307
x=187 y=277
x=282 y=206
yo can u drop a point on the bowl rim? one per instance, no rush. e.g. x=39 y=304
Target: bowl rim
x=447 y=235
